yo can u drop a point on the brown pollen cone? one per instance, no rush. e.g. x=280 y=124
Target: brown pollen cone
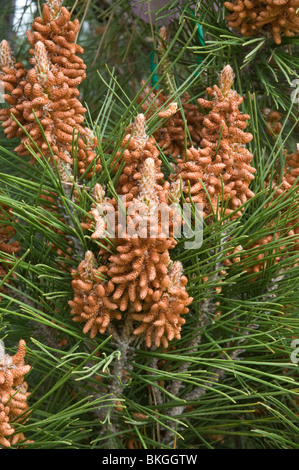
x=49 y=92
x=162 y=321
x=136 y=146
x=173 y=134
x=138 y=270
x=12 y=76
x=252 y=17
x=223 y=162
x=13 y=394
x=91 y=303
x=137 y=277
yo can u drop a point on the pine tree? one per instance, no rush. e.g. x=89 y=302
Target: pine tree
x=130 y=336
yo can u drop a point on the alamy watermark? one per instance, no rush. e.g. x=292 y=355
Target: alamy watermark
x=295 y=93
x=2 y=351
x=2 y=91
x=295 y=353
x=153 y=220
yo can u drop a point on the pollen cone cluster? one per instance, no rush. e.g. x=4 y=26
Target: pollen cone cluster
x=139 y=269
x=290 y=174
x=6 y=234
x=136 y=147
x=48 y=91
x=91 y=303
x=162 y=321
x=13 y=394
x=139 y=281
x=223 y=162
x=253 y=17
x=174 y=134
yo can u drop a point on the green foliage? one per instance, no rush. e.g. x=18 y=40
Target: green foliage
x=240 y=388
